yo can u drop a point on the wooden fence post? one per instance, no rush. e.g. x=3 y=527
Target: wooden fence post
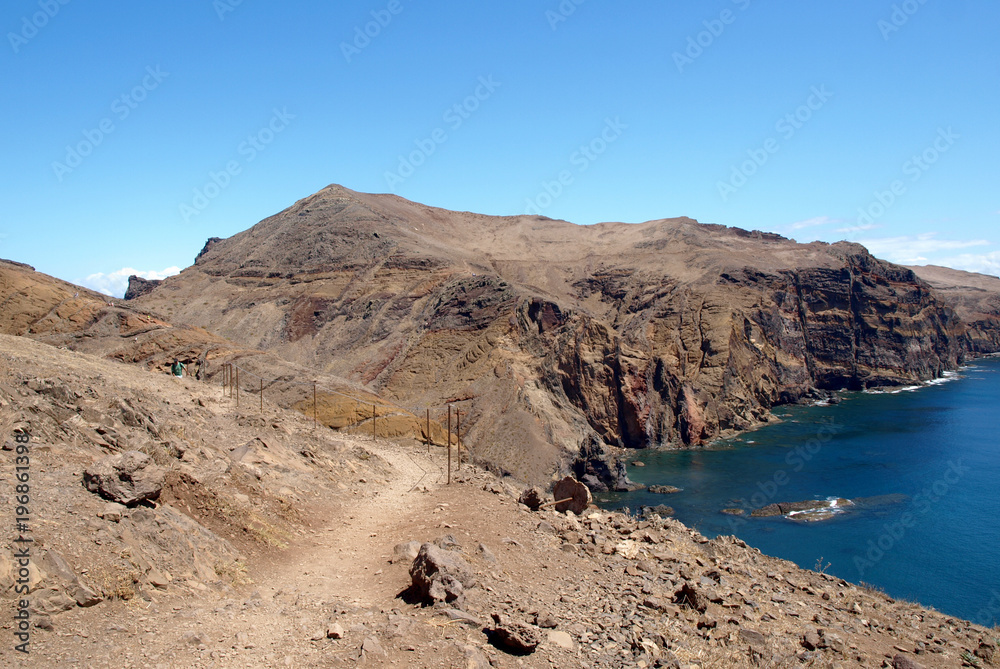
x=374 y=435
x=262 y=394
x=314 y=405
x=237 y=387
x=458 y=433
x=428 y=432
x=449 y=444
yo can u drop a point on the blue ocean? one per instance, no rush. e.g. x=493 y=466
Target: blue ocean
x=920 y=465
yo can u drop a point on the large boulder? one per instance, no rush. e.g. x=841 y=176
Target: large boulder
x=128 y=478
x=571 y=495
x=440 y=575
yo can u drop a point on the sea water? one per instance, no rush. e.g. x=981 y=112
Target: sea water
x=920 y=464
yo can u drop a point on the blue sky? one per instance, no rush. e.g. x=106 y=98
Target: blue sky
x=131 y=133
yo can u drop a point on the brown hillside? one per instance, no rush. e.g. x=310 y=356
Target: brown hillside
x=663 y=333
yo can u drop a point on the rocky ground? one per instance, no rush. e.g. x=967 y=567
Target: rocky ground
x=274 y=545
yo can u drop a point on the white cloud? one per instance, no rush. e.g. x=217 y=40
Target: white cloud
x=917 y=249
x=116 y=283
x=983 y=263
x=813 y=222
x=864 y=227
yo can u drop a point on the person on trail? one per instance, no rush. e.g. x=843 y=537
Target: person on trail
x=177 y=368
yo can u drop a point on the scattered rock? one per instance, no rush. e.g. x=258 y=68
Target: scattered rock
x=561 y=639
x=756 y=640
x=447 y=542
x=690 y=597
x=405 y=552
x=195 y=639
x=371 y=646
x=484 y=552
x=813 y=641
x=127 y=478
x=439 y=575
x=545 y=620
x=462 y=616
x=335 y=631
x=111 y=512
x=516 y=636
x=903 y=662
x=532 y=498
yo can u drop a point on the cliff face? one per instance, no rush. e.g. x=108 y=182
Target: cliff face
x=663 y=333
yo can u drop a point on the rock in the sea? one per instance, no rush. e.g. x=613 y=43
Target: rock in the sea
x=532 y=498
x=518 y=637
x=664 y=489
x=128 y=478
x=733 y=512
x=661 y=510
x=815 y=507
x=440 y=576
x=577 y=494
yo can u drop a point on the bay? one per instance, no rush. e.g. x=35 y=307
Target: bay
x=921 y=463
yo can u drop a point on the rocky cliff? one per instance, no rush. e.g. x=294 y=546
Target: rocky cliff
x=665 y=333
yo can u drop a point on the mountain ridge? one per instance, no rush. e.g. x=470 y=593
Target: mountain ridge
x=663 y=333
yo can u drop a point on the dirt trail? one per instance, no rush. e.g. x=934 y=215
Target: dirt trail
x=349 y=552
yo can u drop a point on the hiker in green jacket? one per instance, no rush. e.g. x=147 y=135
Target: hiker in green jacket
x=177 y=368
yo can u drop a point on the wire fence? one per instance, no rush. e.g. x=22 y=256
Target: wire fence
x=232 y=384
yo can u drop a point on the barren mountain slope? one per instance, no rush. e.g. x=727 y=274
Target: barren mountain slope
x=60 y=314
x=666 y=332
x=276 y=545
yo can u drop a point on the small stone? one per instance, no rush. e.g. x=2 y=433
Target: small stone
x=546 y=620
x=516 y=636
x=533 y=498
x=111 y=512
x=371 y=646
x=405 y=552
x=43 y=623
x=195 y=639
x=561 y=639
x=903 y=662
x=335 y=631
x=485 y=553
